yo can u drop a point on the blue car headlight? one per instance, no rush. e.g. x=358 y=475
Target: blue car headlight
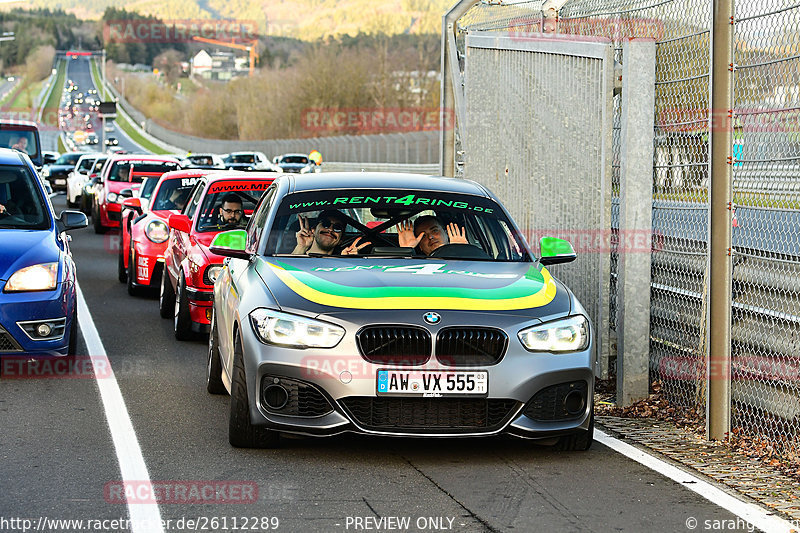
x=569 y=334
x=283 y=329
x=41 y=277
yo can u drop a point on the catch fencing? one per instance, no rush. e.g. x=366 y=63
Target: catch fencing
x=764 y=156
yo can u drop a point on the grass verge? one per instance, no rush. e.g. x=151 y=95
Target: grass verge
x=26 y=96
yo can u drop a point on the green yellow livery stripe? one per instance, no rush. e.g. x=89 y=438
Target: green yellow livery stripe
x=524 y=293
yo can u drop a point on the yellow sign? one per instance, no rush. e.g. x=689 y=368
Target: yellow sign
x=316 y=157
x=79 y=136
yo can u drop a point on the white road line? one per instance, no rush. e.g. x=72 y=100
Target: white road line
x=748 y=512
x=145 y=517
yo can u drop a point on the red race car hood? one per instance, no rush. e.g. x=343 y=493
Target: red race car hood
x=164 y=214
x=203 y=242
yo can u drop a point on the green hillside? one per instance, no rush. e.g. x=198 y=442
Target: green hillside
x=303 y=19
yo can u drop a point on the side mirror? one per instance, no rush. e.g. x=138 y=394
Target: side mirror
x=126 y=193
x=554 y=251
x=230 y=244
x=180 y=223
x=69 y=220
x=132 y=203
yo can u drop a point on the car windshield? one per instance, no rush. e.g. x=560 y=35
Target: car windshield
x=98 y=165
x=85 y=165
x=24 y=205
x=173 y=193
x=119 y=173
x=22 y=140
x=148 y=186
x=228 y=204
x=241 y=158
x=295 y=159
x=454 y=226
x=201 y=160
x=68 y=159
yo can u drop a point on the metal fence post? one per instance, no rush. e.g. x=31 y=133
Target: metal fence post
x=718 y=408
x=635 y=220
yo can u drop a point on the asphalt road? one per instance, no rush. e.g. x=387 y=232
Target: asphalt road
x=58 y=459
x=79 y=71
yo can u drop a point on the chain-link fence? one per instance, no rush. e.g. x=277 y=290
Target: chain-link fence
x=766 y=272
x=765 y=157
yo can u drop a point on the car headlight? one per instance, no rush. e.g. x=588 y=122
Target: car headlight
x=112 y=197
x=566 y=335
x=305 y=170
x=157 y=231
x=45 y=172
x=211 y=274
x=273 y=327
x=41 y=277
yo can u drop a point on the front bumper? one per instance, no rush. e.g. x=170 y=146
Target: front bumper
x=110 y=215
x=17 y=308
x=200 y=306
x=149 y=263
x=348 y=383
x=58 y=181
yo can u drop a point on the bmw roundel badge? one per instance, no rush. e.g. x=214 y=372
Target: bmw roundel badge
x=432 y=318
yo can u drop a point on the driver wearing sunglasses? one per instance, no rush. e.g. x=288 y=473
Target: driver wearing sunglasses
x=324 y=236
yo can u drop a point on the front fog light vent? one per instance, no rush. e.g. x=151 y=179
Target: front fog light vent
x=44 y=330
x=291 y=397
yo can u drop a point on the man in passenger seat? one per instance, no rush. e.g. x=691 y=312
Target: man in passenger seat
x=325 y=235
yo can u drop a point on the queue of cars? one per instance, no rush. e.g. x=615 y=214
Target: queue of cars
x=251 y=161
x=375 y=303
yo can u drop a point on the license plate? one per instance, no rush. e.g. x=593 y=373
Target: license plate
x=432 y=383
x=61 y=182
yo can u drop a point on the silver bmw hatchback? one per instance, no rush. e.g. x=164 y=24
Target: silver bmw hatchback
x=396 y=304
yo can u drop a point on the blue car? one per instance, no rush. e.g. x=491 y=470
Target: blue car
x=38 y=312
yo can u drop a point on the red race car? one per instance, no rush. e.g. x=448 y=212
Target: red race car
x=119 y=173
x=219 y=202
x=144 y=234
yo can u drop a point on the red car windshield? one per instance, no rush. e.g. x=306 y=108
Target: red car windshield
x=173 y=194
x=229 y=204
x=121 y=169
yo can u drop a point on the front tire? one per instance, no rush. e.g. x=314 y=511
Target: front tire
x=122 y=272
x=72 y=348
x=133 y=290
x=166 y=296
x=241 y=431
x=580 y=441
x=183 y=320
x=214 y=384
x=98 y=224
